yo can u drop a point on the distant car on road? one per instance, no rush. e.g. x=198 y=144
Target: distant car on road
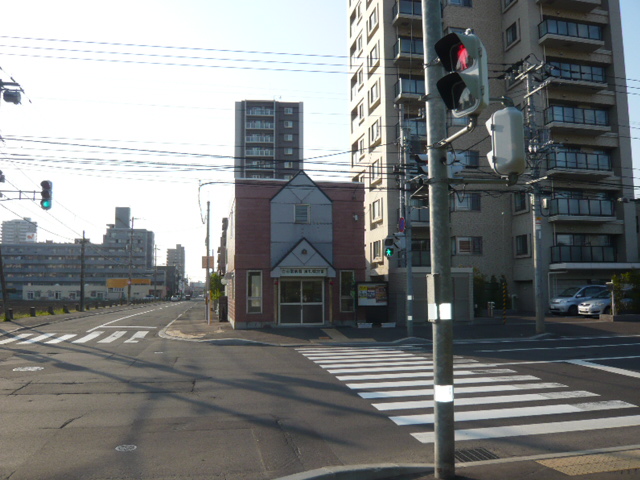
x=175 y=298
x=567 y=302
x=600 y=304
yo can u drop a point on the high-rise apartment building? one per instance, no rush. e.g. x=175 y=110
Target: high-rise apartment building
x=176 y=258
x=586 y=234
x=268 y=141
x=19 y=231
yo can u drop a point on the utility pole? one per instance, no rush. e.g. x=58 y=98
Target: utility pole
x=82 y=250
x=5 y=298
x=207 y=282
x=440 y=286
x=405 y=200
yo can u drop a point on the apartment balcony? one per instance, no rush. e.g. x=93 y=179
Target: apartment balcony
x=561 y=34
x=579 y=78
x=582 y=254
x=575 y=5
x=409 y=90
x=260 y=125
x=259 y=152
x=407 y=13
x=419 y=217
x=260 y=112
x=260 y=139
x=579 y=165
x=407 y=51
x=581 y=210
x=575 y=120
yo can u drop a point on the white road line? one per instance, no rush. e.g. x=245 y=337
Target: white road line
x=38 y=339
x=575 y=347
x=119 y=319
x=387 y=376
x=114 y=336
x=421 y=383
x=461 y=402
x=61 y=339
x=619 y=371
x=380 y=364
x=536 y=429
x=408 y=368
x=363 y=358
x=136 y=336
x=86 y=338
x=515 y=412
x=425 y=392
x=15 y=338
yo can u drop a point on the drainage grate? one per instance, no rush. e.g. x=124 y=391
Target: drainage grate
x=475 y=455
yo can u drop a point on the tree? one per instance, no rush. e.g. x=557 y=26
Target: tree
x=216 y=287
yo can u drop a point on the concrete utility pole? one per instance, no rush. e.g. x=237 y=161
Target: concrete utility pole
x=207 y=282
x=82 y=250
x=440 y=287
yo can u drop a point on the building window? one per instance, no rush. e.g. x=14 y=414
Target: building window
x=468 y=158
x=288 y=137
x=373 y=59
x=375 y=171
x=376 y=250
x=288 y=164
x=460 y=3
x=467 y=202
x=376 y=211
x=288 y=111
x=507 y=3
x=347 y=290
x=301 y=213
x=467 y=246
x=288 y=151
x=288 y=124
x=254 y=292
x=522 y=245
x=519 y=201
x=374 y=94
x=511 y=34
x=374 y=132
x=373 y=21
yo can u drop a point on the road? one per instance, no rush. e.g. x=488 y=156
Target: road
x=107 y=396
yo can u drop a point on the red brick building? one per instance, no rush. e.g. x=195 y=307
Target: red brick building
x=294 y=251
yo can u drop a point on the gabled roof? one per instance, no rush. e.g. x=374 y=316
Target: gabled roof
x=301 y=179
x=303 y=255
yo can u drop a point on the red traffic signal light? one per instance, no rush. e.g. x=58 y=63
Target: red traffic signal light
x=465 y=90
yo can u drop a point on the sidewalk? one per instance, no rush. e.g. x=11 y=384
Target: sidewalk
x=192 y=326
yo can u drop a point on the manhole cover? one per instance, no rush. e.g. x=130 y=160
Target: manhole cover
x=27 y=369
x=126 y=448
x=475 y=455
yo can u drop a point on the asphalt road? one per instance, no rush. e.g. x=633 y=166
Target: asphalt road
x=107 y=397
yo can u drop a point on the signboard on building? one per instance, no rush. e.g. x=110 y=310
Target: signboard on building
x=303 y=272
x=210 y=260
x=372 y=294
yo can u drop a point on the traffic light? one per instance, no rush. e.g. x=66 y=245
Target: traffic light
x=46 y=194
x=506 y=127
x=465 y=89
x=389 y=247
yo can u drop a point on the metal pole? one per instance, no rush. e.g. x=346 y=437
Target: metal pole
x=405 y=199
x=82 y=251
x=444 y=446
x=208 y=279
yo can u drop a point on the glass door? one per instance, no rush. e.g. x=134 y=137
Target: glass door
x=301 y=302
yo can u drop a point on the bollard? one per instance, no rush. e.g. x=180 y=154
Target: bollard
x=32 y=311
x=65 y=309
x=50 y=311
x=9 y=314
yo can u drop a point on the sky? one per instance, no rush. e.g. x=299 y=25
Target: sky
x=131 y=104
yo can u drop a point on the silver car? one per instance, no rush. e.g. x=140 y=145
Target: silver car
x=567 y=302
x=600 y=304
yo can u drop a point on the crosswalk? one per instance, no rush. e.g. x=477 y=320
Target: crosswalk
x=96 y=336
x=400 y=384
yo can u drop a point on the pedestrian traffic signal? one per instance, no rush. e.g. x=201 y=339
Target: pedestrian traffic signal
x=465 y=89
x=389 y=247
x=507 y=157
x=46 y=194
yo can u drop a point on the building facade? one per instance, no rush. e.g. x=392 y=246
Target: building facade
x=19 y=231
x=176 y=258
x=309 y=257
x=268 y=141
x=586 y=234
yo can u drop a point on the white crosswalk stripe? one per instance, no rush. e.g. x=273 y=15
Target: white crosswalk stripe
x=400 y=381
x=55 y=338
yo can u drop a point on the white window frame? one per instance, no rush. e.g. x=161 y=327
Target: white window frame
x=377 y=213
x=301 y=213
x=288 y=124
x=288 y=111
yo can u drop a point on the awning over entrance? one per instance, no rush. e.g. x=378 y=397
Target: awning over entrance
x=303 y=260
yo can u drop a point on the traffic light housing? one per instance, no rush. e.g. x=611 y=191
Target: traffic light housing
x=507 y=155
x=46 y=194
x=389 y=249
x=465 y=89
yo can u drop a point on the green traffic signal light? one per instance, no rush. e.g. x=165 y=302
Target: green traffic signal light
x=46 y=194
x=388 y=252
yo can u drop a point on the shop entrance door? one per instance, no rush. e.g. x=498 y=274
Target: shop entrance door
x=301 y=301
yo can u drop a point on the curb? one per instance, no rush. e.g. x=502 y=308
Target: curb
x=362 y=472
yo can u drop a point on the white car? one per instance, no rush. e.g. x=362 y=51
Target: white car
x=600 y=304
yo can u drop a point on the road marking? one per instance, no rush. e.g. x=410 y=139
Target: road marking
x=510 y=378
x=429 y=374
x=61 y=339
x=136 y=336
x=536 y=429
x=619 y=371
x=425 y=392
x=15 y=338
x=380 y=364
x=38 y=339
x=519 y=412
x=86 y=338
x=114 y=336
x=104 y=325
x=560 y=348
x=363 y=358
x=460 y=402
x=407 y=368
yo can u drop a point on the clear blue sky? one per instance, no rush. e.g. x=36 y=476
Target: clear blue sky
x=142 y=126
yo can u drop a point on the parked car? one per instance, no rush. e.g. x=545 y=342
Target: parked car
x=567 y=302
x=601 y=303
